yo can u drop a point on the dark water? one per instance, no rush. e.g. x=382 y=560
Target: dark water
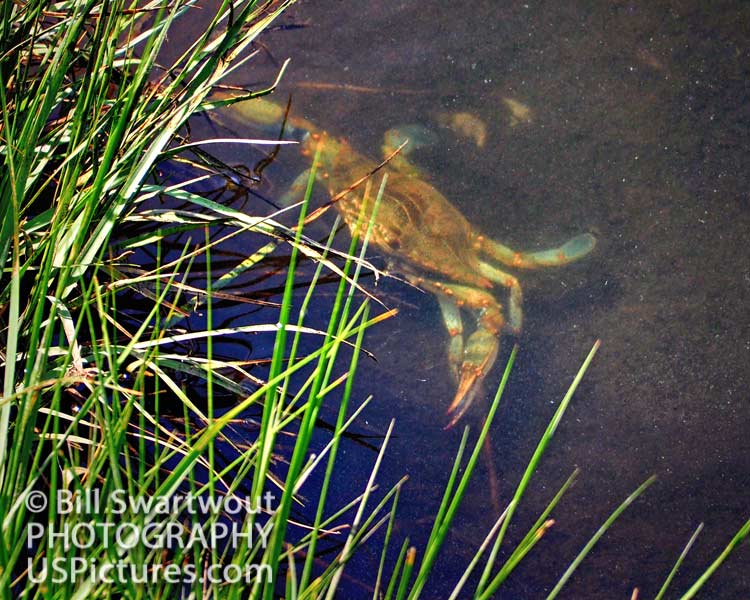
x=639 y=129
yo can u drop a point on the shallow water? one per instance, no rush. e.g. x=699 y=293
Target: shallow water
x=639 y=129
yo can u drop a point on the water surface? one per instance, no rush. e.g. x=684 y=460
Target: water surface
x=638 y=133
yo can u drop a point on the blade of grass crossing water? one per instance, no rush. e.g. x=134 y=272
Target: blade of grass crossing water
x=267 y=433
x=386 y=545
x=12 y=335
x=308 y=298
x=683 y=554
x=595 y=538
x=542 y=524
x=400 y=563
x=449 y=488
x=310 y=412
x=411 y=557
x=536 y=457
x=441 y=528
x=742 y=536
x=307 y=570
x=360 y=512
x=548 y=510
x=475 y=560
x=368 y=527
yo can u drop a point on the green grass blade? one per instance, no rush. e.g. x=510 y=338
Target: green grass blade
x=741 y=536
x=436 y=541
x=595 y=538
x=530 y=469
x=683 y=554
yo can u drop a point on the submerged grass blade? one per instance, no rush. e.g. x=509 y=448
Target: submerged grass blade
x=683 y=554
x=475 y=560
x=442 y=526
x=595 y=538
x=85 y=115
x=360 y=514
x=542 y=524
x=741 y=536
x=386 y=545
x=485 y=589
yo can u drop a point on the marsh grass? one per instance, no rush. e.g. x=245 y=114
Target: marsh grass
x=90 y=386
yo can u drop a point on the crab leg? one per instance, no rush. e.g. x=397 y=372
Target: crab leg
x=515 y=314
x=455 y=326
x=480 y=348
x=479 y=356
x=572 y=250
x=417 y=137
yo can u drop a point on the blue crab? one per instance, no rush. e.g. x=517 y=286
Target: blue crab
x=430 y=242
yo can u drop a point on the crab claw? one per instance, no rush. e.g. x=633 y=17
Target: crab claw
x=467 y=391
x=479 y=356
